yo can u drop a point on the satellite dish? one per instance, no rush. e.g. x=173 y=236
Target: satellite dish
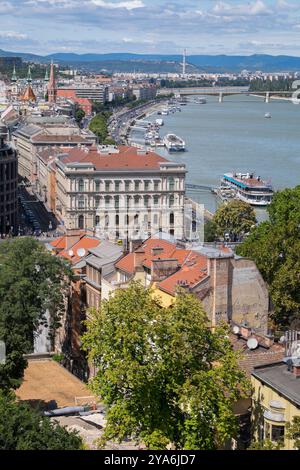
x=81 y=252
x=252 y=343
x=236 y=330
x=71 y=253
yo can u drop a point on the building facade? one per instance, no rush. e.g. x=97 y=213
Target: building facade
x=276 y=401
x=35 y=136
x=121 y=192
x=8 y=185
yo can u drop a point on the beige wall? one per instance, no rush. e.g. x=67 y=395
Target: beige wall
x=262 y=396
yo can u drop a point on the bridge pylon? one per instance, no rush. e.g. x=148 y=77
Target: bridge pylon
x=221 y=97
x=267 y=99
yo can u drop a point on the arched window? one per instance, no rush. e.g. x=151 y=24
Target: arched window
x=106 y=220
x=97 y=185
x=155 y=219
x=80 y=185
x=117 y=219
x=136 y=219
x=171 y=201
x=81 y=221
x=172 y=218
x=97 y=220
x=107 y=201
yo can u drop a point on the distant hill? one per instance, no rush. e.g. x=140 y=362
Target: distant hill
x=166 y=63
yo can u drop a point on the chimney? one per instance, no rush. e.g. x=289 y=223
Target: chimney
x=139 y=256
x=296 y=368
x=156 y=250
x=72 y=237
x=245 y=332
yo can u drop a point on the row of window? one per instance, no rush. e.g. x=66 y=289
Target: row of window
x=81 y=202
x=138 y=185
x=136 y=220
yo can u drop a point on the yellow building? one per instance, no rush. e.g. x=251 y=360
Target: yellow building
x=276 y=400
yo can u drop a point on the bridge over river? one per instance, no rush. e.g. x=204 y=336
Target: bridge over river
x=221 y=92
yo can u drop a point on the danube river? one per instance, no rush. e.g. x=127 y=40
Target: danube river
x=235 y=136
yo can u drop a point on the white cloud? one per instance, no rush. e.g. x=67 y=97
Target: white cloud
x=6 y=7
x=251 y=9
x=12 y=35
x=127 y=5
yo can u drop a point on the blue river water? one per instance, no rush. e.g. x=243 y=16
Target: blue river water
x=235 y=136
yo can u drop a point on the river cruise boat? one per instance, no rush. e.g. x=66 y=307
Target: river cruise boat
x=173 y=143
x=247 y=187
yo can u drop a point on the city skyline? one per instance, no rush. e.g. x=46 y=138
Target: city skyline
x=203 y=27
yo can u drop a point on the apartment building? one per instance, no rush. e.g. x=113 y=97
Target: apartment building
x=8 y=185
x=121 y=192
x=45 y=132
x=231 y=288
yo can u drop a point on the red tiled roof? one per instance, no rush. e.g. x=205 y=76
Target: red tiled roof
x=126 y=158
x=126 y=264
x=193 y=265
x=193 y=270
x=257 y=357
x=85 y=242
x=59 y=242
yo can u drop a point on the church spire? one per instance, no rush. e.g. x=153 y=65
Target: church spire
x=52 y=91
x=14 y=77
x=29 y=78
x=46 y=79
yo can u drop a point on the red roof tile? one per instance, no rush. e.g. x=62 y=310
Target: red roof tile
x=126 y=158
x=193 y=265
x=85 y=242
x=126 y=264
x=191 y=273
x=59 y=242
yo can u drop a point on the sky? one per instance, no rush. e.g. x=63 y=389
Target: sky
x=234 y=27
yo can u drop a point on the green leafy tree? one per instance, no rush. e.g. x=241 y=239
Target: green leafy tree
x=79 y=115
x=165 y=377
x=293 y=431
x=235 y=218
x=267 y=444
x=22 y=428
x=98 y=125
x=32 y=282
x=210 y=229
x=275 y=247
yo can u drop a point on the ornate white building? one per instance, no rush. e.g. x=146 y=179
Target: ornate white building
x=121 y=192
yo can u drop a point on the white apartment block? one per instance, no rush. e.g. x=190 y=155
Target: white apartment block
x=120 y=192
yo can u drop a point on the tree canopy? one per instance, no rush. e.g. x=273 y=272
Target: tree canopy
x=235 y=218
x=275 y=247
x=32 y=282
x=79 y=115
x=22 y=428
x=165 y=377
x=98 y=126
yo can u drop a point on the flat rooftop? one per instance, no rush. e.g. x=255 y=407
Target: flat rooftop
x=47 y=381
x=280 y=379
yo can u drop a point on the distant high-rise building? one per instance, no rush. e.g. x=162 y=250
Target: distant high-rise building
x=52 y=90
